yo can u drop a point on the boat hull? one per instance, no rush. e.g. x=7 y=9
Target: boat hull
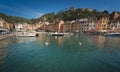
x=57 y=34
x=26 y=34
x=113 y=34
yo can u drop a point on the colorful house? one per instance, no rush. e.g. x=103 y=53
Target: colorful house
x=115 y=25
x=87 y=24
x=2 y=23
x=102 y=23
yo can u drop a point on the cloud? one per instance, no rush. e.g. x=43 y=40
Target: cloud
x=33 y=13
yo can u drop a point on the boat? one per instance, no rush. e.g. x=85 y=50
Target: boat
x=57 y=34
x=26 y=34
x=112 y=34
x=60 y=34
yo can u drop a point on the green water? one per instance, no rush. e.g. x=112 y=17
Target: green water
x=79 y=53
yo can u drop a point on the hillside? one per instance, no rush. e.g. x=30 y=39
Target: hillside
x=70 y=14
x=67 y=15
x=14 y=19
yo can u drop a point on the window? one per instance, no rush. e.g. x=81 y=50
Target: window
x=103 y=28
x=104 y=25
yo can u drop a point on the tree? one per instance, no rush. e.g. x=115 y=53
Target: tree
x=105 y=12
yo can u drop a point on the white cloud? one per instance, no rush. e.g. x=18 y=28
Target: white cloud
x=33 y=13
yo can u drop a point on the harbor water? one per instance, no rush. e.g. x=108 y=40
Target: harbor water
x=77 y=53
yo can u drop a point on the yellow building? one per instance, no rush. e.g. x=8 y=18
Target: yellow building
x=6 y=25
x=102 y=23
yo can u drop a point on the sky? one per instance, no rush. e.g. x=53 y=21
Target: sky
x=36 y=8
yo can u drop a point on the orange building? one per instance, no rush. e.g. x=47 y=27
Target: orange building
x=71 y=26
x=102 y=23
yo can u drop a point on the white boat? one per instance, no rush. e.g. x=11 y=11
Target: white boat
x=57 y=34
x=26 y=34
x=60 y=34
x=112 y=34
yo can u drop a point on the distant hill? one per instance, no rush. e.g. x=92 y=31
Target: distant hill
x=14 y=19
x=70 y=14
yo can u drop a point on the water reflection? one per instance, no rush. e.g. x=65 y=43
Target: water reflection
x=43 y=40
x=3 y=50
x=48 y=53
x=25 y=39
x=112 y=44
x=48 y=40
x=110 y=54
x=99 y=41
x=96 y=41
x=59 y=40
x=2 y=55
x=40 y=38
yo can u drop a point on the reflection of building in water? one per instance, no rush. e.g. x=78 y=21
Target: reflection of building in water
x=99 y=41
x=60 y=40
x=2 y=55
x=112 y=44
x=26 y=39
x=3 y=50
x=43 y=40
x=40 y=38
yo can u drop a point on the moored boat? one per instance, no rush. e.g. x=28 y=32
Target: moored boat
x=57 y=34
x=26 y=34
x=112 y=34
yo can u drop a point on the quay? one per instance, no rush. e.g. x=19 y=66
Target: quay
x=5 y=36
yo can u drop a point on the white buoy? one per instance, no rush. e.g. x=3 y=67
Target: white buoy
x=80 y=43
x=46 y=43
